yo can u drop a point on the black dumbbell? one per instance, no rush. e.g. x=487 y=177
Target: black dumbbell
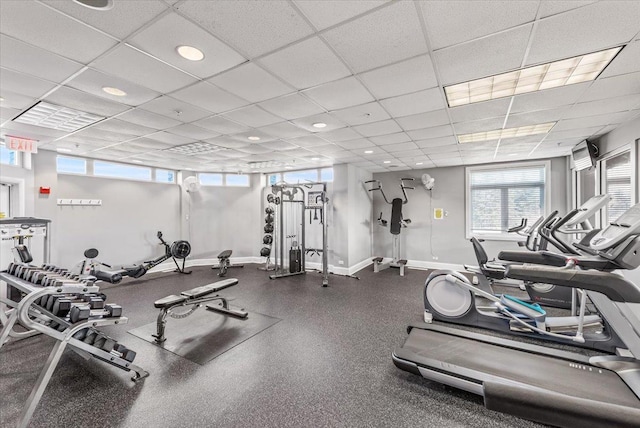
x=81 y=334
x=93 y=300
x=90 y=336
x=124 y=352
x=104 y=342
x=83 y=312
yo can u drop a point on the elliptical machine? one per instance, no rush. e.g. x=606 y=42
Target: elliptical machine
x=397 y=223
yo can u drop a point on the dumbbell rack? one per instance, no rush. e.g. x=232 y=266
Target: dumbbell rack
x=31 y=316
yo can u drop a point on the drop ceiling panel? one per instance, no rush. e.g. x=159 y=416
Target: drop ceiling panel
x=573 y=133
x=7 y=113
x=285 y=130
x=149 y=144
x=549 y=98
x=306 y=64
x=401 y=78
x=251 y=83
x=253 y=116
x=68 y=97
x=308 y=141
x=378 y=128
x=494 y=54
x=163 y=37
x=143 y=70
x=587 y=29
x=364 y=113
x=173 y=139
x=119 y=21
x=255 y=149
x=41 y=63
x=342 y=134
x=93 y=81
x=72 y=39
x=627 y=61
x=609 y=105
x=146 y=118
x=227 y=142
x=22 y=84
x=400 y=147
x=394 y=30
x=446 y=19
x=340 y=94
x=16 y=101
x=191 y=131
x=221 y=125
x=175 y=109
x=279 y=145
x=591 y=121
x=322 y=16
x=291 y=106
x=244 y=136
x=30 y=131
x=418 y=102
x=535 y=117
x=433 y=132
x=356 y=144
x=382 y=140
x=617 y=86
x=252 y=27
x=478 y=125
x=120 y=126
x=209 y=97
x=482 y=110
x=328 y=119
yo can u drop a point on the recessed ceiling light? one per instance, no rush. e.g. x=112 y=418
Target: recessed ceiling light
x=386 y=162
x=319 y=125
x=1 y=99
x=253 y=138
x=521 y=131
x=190 y=53
x=96 y=4
x=578 y=69
x=315 y=159
x=114 y=91
x=287 y=167
x=63 y=150
x=418 y=163
x=368 y=152
x=136 y=161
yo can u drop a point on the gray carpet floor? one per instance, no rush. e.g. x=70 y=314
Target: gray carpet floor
x=326 y=364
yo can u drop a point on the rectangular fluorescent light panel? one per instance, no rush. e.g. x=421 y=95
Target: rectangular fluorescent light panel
x=195 y=149
x=521 y=131
x=551 y=75
x=61 y=118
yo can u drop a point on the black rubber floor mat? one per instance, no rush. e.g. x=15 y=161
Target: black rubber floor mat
x=204 y=335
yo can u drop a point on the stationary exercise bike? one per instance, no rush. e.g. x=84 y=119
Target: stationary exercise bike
x=395 y=227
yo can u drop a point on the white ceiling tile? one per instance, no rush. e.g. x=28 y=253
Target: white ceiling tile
x=252 y=27
x=401 y=78
x=175 y=109
x=418 y=102
x=72 y=39
x=411 y=154
x=93 y=81
x=251 y=82
x=340 y=94
x=15 y=101
x=7 y=113
x=147 y=143
x=627 y=61
x=308 y=141
x=423 y=120
x=394 y=30
x=322 y=16
x=291 y=106
x=609 y=105
x=255 y=149
x=482 y=110
x=342 y=134
x=82 y=101
x=356 y=144
x=221 y=125
x=93 y=132
x=191 y=131
x=41 y=63
x=119 y=21
x=399 y=137
x=444 y=19
x=143 y=70
x=306 y=64
x=252 y=116
x=173 y=139
x=535 y=117
x=490 y=55
x=145 y=118
x=584 y=30
x=328 y=119
x=549 y=98
x=244 y=136
x=329 y=149
x=163 y=37
x=450 y=150
x=38 y=133
x=378 y=128
x=284 y=130
x=341 y=154
x=553 y=7
x=573 y=133
x=478 y=125
x=364 y=113
x=279 y=145
x=433 y=132
x=120 y=126
x=617 y=86
x=227 y=142
x=209 y=97
x=22 y=84
x=400 y=147
x=591 y=121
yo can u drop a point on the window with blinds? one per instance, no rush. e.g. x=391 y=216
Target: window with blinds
x=499 y=198
x=617 y=178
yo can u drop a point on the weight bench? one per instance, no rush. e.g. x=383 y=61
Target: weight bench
x=224 y=263
x=195 y=298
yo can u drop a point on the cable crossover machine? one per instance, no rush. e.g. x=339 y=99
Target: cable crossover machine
x=292 y=202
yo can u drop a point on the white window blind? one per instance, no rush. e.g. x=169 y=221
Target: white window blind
x=500 y=198
x=618 y=185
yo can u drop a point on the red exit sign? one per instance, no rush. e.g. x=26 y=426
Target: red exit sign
x=22 y=144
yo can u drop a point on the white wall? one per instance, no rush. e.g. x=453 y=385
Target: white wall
x=443 y=241
x=360 y=213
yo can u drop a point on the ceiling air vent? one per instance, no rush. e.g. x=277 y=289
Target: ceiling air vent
x=61 y=118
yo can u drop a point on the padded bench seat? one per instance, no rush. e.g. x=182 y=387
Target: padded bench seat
x=167 y=302
x=194 y=293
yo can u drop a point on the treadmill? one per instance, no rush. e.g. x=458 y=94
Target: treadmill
x=561 y=387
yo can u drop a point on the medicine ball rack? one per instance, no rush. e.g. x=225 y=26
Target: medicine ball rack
x=292 y=196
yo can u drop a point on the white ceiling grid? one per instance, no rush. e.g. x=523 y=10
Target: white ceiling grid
x=372 y=71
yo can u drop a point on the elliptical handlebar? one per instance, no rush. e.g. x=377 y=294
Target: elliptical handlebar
x=569 y=249
x=519 y=228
